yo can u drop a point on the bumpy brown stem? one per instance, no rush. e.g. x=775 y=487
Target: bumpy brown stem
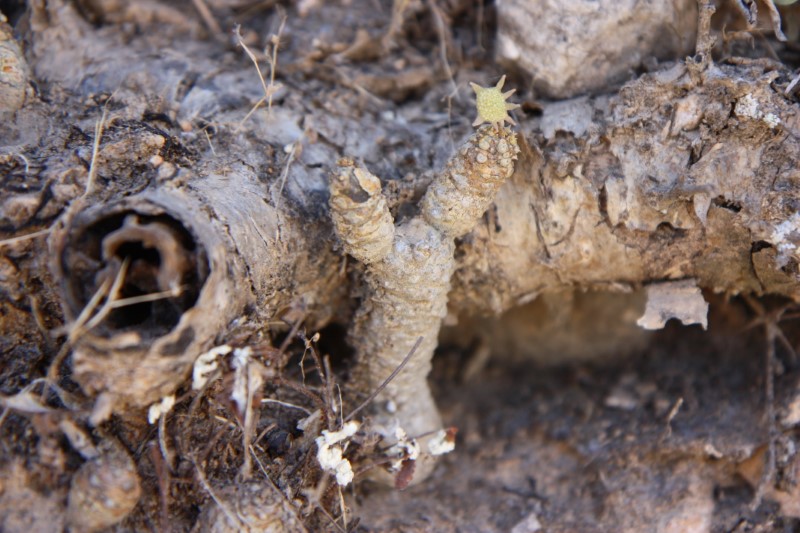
x=408 y=272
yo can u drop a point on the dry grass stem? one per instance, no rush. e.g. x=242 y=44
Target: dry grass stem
x=208 y=17
x=272 y=58
x=22 y=238
x=98 y=135
x=386 y=382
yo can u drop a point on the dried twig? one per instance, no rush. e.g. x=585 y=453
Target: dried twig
x=207 y=16
x=269 y=88
x=14 y=240
x=386 y=381
x=225 y=509
x=772 y=333
x=163 y=476
x=441 y=31
x=98 y=135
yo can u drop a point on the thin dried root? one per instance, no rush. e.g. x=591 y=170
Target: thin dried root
x=408 y=274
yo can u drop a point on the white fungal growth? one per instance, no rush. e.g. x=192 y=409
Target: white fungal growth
x=409 y=269
x=330 y=459
x=747 y=107
x=206 y=365
x=246 y=378
x=786 y=237
x=404 y=449
x=157 y=410
x=329 y=438
x=330 y=452
x=772 y=120
x=441 y=443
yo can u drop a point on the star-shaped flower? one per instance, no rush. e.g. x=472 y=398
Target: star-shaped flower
x=492 y=105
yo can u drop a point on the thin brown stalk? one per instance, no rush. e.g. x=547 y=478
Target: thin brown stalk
x=386 y=381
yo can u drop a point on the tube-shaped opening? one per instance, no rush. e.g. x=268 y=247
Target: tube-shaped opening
x=154 y=261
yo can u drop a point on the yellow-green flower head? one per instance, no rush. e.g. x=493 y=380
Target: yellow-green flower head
x=492 y=105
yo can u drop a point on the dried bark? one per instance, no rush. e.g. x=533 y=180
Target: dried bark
x=673 y=178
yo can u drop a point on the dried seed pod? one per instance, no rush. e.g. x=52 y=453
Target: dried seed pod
x=249 y=507
x=103 y=491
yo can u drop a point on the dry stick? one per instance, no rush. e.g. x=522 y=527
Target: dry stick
x=210 y=144
x=14 y=240
x=269 y=89
x=201 y=476
x=251 y=416
x=285 y=344
x=342 y=506
x=386 y=381
x=314 y=499
x=769 y=468
x=285 y=173
x=253 y=58
x=328 y=372
x=38 y=317
x=275 y=41
x=106 y=308
x=86 y=312
x=82 y=318
x=162 y=440
x=341 y=406
x=264 y=433
x=207 y=16
x=284 y=498
x=83 y=323
x=479 y=19
x=771 y=333
x=440 y=29
x=163 y=476
x=285 y=404
x=672 y=414
x=329 y=517
x=98 y=134
x=325 y=377
x=112 y=303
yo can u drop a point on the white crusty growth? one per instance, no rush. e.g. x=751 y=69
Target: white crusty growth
x=408 y=273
